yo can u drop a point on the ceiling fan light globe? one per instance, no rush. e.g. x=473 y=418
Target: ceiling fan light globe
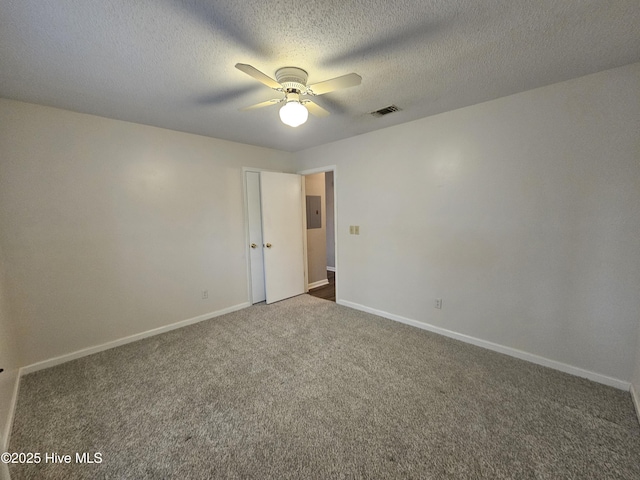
x=293 y=114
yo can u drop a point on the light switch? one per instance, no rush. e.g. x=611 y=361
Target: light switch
x=356 y=229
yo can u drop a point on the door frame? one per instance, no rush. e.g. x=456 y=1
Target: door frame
x=334 y=169
x=328 y=168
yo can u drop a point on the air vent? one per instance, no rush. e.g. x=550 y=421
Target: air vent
x=385 y=111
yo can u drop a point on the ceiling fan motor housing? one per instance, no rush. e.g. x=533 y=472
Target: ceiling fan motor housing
x=292 y=79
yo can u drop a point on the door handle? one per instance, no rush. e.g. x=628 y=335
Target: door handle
x=253 y=245
x=268 y=245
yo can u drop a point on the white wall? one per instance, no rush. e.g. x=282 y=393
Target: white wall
x=522 y=213
x=317 y=237
x=9 y=361
x=111 y=228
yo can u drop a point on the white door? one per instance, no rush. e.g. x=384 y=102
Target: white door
x=282 y=234
x=255 y=238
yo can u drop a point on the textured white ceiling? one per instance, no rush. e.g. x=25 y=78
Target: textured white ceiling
x=170 y=63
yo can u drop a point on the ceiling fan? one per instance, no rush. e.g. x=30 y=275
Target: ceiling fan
x=292 y=82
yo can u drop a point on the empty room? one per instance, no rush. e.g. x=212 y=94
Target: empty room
x=460 y=180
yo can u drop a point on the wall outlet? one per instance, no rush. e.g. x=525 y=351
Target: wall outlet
x=438 y=303
x=205 y=294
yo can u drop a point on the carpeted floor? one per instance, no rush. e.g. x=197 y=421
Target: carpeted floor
x=305 y=388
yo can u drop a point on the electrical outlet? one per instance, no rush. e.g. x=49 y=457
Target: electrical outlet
x=438 y=303
x=205 y=294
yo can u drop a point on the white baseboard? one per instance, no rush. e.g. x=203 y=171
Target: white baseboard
x=530 y=357
x=319 y=283
x=331 y=269
x=635 y=396
x=52 y=362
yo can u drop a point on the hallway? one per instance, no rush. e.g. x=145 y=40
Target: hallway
x=326 y=292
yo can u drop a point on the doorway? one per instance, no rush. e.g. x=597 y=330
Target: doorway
x=320 y=231
x=331 y=290
x=260 y=248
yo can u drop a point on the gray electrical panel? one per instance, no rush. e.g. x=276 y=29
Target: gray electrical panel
x=314 y=211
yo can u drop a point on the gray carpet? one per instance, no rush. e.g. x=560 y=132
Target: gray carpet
x=306 y=388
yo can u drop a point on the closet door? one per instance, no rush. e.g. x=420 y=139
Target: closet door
x=282 y=234
x=255 y=238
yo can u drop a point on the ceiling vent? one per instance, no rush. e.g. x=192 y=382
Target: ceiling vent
x=385 y=111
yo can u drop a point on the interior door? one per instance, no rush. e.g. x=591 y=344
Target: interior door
x=282 y=234
x=255 y=238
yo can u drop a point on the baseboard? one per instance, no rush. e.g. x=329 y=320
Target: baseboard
x=635 y=396
x=546 y=362
x=319 y=283
x=52 y=362
x=331 y=269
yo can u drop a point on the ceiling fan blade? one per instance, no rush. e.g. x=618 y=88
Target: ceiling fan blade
x=345 y=81
x=273 y=101
x=315 y=109
x=258 y=75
